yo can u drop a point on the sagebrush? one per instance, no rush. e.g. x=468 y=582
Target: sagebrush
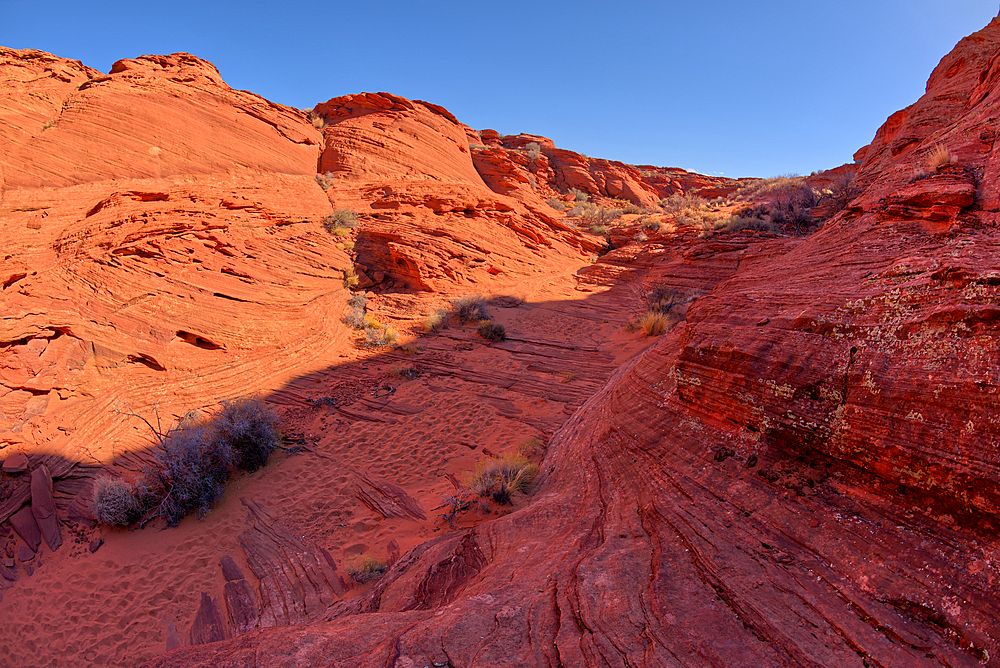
x=191 y=465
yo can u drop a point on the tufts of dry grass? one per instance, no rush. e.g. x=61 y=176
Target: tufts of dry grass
x=351 y=279
x=503 y=477
x=436 y=321
x=366 y=569
x=470 y=308
x=654 y=323
x=939 y=157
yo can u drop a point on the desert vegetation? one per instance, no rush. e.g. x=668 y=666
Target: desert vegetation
x=366 y=569
x=340 y=222
x=661 y=307
x=502 y=478
x=190 y=465
x=376 y=334
x=467 y=309
x=938 y=157
x=492 y=331
x=780 y=204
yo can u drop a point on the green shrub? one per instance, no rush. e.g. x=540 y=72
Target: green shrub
x=578 y=195
x=556 y=204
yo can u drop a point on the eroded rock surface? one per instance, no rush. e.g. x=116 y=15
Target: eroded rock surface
x=804 y=473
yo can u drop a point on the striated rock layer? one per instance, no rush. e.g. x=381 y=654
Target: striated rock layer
x=804 y=473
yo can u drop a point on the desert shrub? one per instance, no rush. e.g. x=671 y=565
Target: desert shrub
x=323 y=181
x=679 y=203
x=581 y=210
x=503 y=477
x=556 y=204
x=340 y=221
x=533 y=150
x=249 y=427
x=598 y=229
x=195 y=467
x=115 y=502
x=492 y=331
x=469 y=308
x=651 y=225
x=662 y=298
x=367 y=569
x=578 y=195
x=380 y=336
x=437 y=320
x=640 y=237
x=351 y=280
x=317 y=121
x=356 y=313
x=191 y=465
x=737 y=223
x=456 y=503
x=635 y=208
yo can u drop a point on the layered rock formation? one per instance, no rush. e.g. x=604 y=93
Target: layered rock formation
x=804 y=473
x=158 y=249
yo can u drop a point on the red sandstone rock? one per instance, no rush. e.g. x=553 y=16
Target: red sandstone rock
x=208 y=625
x=166 y=188
x=24 y=524
x=15 y=463
x=804 y=472
x=43 y=507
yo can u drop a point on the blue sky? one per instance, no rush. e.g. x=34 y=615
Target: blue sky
x=735 y=88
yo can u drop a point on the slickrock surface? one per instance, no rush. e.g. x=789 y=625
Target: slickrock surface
x=804 y=473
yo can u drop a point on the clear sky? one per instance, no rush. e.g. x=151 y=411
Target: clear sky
x=716 y=86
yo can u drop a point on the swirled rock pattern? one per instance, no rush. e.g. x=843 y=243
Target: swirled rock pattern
x=804 y=473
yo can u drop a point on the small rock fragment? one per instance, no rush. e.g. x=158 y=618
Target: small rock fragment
x=16 y=463
x=43 y=507
x=208 y=625
x=230 y=570
x=25 y=554
x=26 y=527
x=95 y=544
